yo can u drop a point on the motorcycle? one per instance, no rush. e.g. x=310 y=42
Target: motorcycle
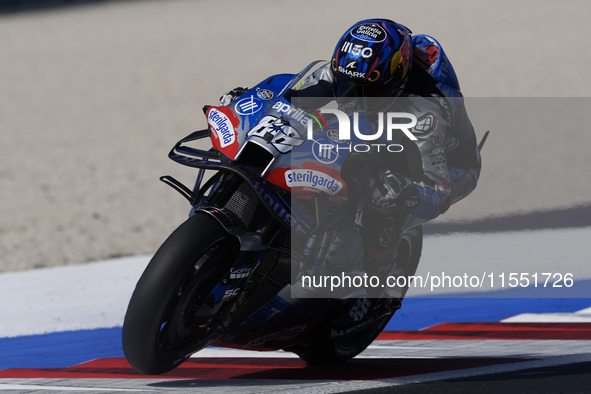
x=268 y=208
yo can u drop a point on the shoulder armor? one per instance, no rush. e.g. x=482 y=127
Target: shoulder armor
x=429 y=56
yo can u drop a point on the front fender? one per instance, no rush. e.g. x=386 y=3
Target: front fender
x=249 y=241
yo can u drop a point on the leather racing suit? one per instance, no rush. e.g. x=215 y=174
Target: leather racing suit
x=441 y=167
x=443 y=164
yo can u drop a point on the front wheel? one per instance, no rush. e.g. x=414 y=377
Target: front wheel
x=171 y=308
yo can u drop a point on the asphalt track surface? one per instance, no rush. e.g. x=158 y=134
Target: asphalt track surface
x=68 y=339
x=93 y=97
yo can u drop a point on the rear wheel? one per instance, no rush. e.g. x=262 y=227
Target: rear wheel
x=326 y=347
x=329 y=346
x=408 y=255
x=169 y=314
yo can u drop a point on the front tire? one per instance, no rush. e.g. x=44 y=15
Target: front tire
x=169 y=313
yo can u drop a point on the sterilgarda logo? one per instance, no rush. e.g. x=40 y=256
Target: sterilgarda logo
x=395 y=121
x=222 y=126
x=313 y=179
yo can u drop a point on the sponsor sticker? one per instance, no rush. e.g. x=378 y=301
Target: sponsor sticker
x=333 y=135
x=426 y=123
x=370 y=32
x=222 y=126
x=349 y=73
x=313 y=179
x=357 y=49
x=325 y=153
x=240 y=273
x=265 y=94
x=295 y=113
x=249 y=105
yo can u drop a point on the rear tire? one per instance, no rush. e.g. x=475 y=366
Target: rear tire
x=325 y=348
x=408 y=254
x=171 y=306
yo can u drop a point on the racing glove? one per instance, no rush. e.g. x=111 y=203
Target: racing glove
x=389 y=190
x=232 y=95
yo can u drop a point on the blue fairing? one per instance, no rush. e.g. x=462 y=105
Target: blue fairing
x=274 y=83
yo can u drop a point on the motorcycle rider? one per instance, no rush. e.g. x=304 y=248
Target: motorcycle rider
x=381 y=58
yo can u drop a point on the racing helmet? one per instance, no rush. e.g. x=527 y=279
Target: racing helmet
x=372 y=59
